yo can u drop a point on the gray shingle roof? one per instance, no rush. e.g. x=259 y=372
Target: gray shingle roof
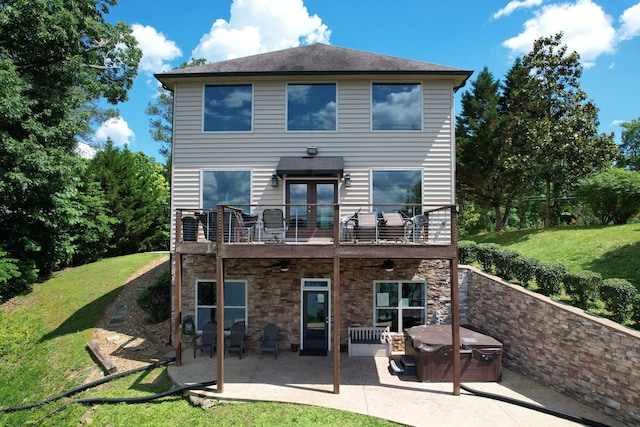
x=314 y=59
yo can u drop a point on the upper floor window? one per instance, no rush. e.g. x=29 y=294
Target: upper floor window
x=228 y=108
x=397 y=190
x=311 y=107
x=226 y=187
x=396 y=106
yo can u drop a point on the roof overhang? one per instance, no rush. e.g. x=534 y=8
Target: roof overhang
x=310 y=166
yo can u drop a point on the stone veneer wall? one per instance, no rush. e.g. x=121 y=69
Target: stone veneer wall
x=275 y=296
x=589 y=358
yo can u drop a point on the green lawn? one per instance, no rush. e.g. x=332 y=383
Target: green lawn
x=43 y=353
x=612 y=251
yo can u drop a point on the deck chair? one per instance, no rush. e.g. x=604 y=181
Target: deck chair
x=207 y=340
x=417 y=228
x=274 y=223
x=394 y=224
x=367 y=226
x=269 y=340
x=236 y=338
x=209 y=221
x=243 y=228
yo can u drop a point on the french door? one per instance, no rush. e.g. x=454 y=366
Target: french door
x=310 y=207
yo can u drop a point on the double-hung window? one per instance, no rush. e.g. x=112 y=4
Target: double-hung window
x=228 y=108
x=311 y=107
x=235 y=302
x=400 y=305
x=396 y=106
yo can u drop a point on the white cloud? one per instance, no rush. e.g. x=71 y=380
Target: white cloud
x=630 y=20
x=617 y=122
x=84 y=150
x=257 y=26
x=514 y=5
x=156 y=49
x=587 y=29
x=117 y=129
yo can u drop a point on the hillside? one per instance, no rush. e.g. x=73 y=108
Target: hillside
x=613 y=251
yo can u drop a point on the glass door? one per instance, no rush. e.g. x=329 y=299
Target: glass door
x=310 y=208
x=315 y=324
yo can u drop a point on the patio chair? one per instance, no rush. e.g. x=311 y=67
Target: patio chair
x=394 y=226
x=207 y=340
x=269 y=340
x=209 y=221
x=417 y=228
x=367 y=226
x=243 y=229
x=236 y=338
x=274 y=223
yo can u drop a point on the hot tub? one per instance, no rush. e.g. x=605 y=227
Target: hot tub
x=431 y=347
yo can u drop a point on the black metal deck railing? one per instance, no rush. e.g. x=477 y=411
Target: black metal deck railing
x=299 y=224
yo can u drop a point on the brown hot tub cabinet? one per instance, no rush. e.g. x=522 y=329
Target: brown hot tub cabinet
x=431 y=347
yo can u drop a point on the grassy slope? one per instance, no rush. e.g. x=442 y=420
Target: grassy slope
x=612 y=251
x=43 y=353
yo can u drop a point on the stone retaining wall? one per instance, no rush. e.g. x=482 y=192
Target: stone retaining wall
x=591 y=359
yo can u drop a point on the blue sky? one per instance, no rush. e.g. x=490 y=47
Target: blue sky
x=466 y=34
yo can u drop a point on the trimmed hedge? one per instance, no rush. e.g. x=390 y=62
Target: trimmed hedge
x=485 y=255
x=582 y=287
x=621 y=298
x=524 y=269
x=503 y=260
x=549 y=278
x=467 y=252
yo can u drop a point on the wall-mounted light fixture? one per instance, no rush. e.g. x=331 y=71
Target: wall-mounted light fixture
x=285 y=265
x=347 y=180
x=274 y=180
x=389 y=265
x=312 y=151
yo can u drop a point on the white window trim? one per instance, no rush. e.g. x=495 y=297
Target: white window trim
x=422 y=108
x=202 y=172
x=214 y=281
x=253 y=108
x=286 y=107
x=399 y=306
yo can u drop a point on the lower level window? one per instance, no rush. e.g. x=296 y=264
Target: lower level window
x=235 y=302
x=400 y=305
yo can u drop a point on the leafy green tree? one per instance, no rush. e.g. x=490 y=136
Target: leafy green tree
x=486 y=174
x=612 y=195
x=161 y=112
x=57 y=57
x=137 y=194
x=630 y=147
x=562 y=143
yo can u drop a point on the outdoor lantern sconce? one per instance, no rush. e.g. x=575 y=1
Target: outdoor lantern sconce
x=285 y=265
x=347 y=180
x=274 y=180
x=389 y=265
x=312 y=151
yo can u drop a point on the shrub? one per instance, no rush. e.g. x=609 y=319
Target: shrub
x=549 y=278
x=612 y=195
x=485 y=254
x=16 y=276
x=467 y=252
x=156 y=299
x=620 y=297
x=582 y=287
x=524 y=269
x=503 y=260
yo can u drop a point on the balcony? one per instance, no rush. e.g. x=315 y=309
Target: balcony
x=309 y=231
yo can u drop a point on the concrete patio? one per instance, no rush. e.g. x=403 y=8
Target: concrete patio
x=367 y=387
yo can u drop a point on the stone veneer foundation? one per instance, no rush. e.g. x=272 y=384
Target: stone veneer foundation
x=589 y=358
